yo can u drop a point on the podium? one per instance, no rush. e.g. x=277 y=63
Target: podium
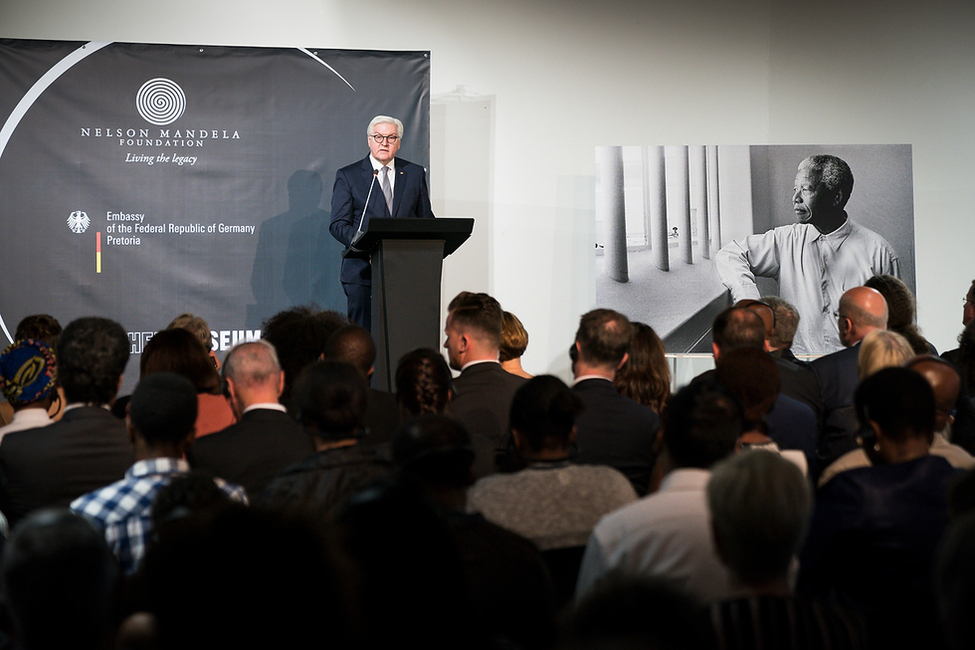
x=407 y=267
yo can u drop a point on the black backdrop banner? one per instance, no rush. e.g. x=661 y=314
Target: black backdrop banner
x=141 y=181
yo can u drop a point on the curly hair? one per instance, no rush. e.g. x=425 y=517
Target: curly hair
x=901 y=309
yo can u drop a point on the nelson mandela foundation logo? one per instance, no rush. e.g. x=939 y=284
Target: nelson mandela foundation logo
x=78 y=222
x=160 y=101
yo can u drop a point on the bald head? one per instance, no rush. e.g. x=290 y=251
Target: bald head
x=352 y=344
x=944 y=382
x=862 y=310
x=763 y=311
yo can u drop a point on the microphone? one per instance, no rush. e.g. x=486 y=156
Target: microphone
x=358 y=232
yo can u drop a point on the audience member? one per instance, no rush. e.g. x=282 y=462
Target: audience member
x=882 y=349
x=505 y=574
x=796 y=380
x=46 y=329
x=160 y=425
x=28 y=379
x=423 y=383
x=299 y=335
x=967 y=369
x=354 y=344
x=946 y=385
x=514 y=342
x=954 y=576
x=244 y=578
x=199 y=328
x=901 y=311
x=483 y=391
x=553 y=503
x=645 y=376
x=875 y=529
x=88 y=447
x=666 y=535
x=760 y=508
x=60 y=584
x=785 y=324
x=861 y=311
x=178 y=350
x=753 y=376
x=613 y=429
x=330 y=399
x=265 y=439
x=791 y=424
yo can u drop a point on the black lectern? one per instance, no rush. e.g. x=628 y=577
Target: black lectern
x=407 y=266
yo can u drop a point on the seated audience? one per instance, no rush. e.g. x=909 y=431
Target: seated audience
x=875 y=528
x=483 y=391
x=28 y=379
x=760 y=508
x=160 y=425
x=299 y=335
x=199 y=328
x=505 y=573
x=514 y=342
x=954 y=576
x=946 y=384
x=753 y=377
x=244 y=578
x=901 y=311
x=552 y=502
x=330 y=399
x=666 y=535
x=89 y=447
x=423 y=383
x=46 y=329
x=645 y=375
x=60 y=584
x=177 y=350
x=861 y=311
x=613 y=429
x=265 y=439
x=353 y=344
x=882 y=349
x=785 y=323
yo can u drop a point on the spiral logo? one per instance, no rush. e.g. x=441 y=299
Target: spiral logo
x=160 y=101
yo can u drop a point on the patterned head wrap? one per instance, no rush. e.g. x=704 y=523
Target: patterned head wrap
x=28 y=371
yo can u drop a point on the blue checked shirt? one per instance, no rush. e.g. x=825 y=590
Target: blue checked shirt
x=123 y=509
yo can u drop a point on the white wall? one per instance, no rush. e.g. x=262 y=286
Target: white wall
x=568 y=75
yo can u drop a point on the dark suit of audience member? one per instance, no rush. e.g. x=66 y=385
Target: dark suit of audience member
x=353 y=344
x=612 y=430
x=265 y=440
x=89 y=447
x=331 y=398
x=861 y=311
x=484 y=390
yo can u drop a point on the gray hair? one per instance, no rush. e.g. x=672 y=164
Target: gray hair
x=760 y=507
x=786 y=321
x=385 y=119
x=834 y=174
x=252 y=363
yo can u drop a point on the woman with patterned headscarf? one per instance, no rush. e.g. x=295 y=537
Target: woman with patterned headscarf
x=28 y=379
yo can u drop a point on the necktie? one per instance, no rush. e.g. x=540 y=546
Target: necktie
x=387 y=190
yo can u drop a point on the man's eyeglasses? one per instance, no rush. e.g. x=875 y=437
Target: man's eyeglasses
x=391 y=139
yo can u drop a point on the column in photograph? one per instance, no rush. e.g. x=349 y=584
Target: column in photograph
x=611 y=211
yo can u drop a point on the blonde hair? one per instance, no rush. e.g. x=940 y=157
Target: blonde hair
x=882 y=349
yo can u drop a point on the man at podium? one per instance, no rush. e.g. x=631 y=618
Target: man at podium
x=381 y=186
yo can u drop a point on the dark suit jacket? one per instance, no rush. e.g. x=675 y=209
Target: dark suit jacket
x=614 y=430
x=253 y=451
x=410 y=200
x=382 y=417
x=482 y=401
x=87 y=449
x=798 y=381
x=838 y=378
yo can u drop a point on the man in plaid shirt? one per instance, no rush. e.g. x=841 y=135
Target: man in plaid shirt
x=161 y=427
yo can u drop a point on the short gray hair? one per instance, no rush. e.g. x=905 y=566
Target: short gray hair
x=786 y=321
x=760 y=508
x=385 y=119
x=252 y=363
